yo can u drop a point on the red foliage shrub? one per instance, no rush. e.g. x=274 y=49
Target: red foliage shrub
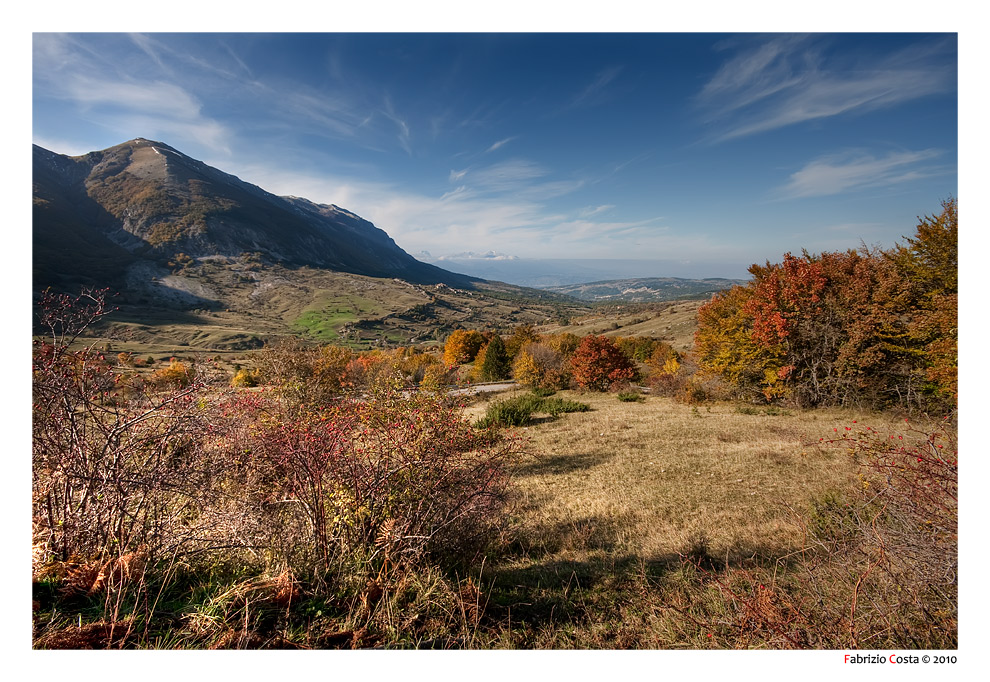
x=598 y=363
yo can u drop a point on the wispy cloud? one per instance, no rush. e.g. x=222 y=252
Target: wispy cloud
x=165 y=99
x=146 y=44
x=594 y=92
x=156 y=109
x=500 y=143
x=506 y=176
x=403 y=135
x=68 y=71
x=514 y=179
x=330 y=115
x=595 y=210
x=788 y=80
x=516 y=221
x=841 y=172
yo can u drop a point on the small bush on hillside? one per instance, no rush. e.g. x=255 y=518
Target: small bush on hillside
x=516 y=411
x=667 y=385
x=306 y=374
x=539 y=366
x=519 y=411
x=630 y=397
x=557 y=406
x=437 y=377
x=176 y=375
x=246 y=378
x=698 y=389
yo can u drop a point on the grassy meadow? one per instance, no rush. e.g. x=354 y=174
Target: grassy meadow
x=615 y=507
x=648 y=479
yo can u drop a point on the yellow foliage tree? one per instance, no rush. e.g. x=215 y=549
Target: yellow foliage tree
x=539 y=366
x=724 y=345
x=462 y=346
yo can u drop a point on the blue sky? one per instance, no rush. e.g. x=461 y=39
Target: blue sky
x=714 y=150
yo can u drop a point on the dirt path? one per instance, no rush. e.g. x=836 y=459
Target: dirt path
x=483 y=388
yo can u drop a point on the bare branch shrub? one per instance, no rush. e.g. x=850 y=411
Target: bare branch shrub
x=112 y=469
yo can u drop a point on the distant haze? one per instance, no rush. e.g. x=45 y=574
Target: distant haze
x=549 y=272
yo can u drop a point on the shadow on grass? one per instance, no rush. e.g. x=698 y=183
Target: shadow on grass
x=557 y=595
x=561 y=464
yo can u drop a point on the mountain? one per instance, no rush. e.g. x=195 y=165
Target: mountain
x=202 y=260
x=641 y=290
x=107 y=216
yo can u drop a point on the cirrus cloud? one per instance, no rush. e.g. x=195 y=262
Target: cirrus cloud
x=787 y=80
x=848 y=170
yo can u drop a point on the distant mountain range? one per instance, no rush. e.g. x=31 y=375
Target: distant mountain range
x=108 y=216
x=544 y=273
x=641 y=290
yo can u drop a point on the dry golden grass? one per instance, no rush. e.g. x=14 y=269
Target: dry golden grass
x=655 y=479
x=674 y=322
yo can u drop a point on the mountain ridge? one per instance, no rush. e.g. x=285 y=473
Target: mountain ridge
x=152 y=202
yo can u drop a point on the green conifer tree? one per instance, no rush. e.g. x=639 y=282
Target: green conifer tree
x=496 y=365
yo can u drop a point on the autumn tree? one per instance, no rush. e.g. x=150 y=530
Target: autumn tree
x=598 y=363
x=638 y=347
x=724 y=343
x=523 y=334
x=833 y=326
x=539 y=366
x=929 y=261
x=462 y=346
x=663 y=359
x=864 y=327
x=564 y=343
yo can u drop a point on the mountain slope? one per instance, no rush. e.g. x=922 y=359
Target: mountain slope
x=100 y=214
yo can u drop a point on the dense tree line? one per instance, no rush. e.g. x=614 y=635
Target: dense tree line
x=860 y=327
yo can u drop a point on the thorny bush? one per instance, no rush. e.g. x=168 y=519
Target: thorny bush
x=167 y=474
x=394 y=479
x=112 y=469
